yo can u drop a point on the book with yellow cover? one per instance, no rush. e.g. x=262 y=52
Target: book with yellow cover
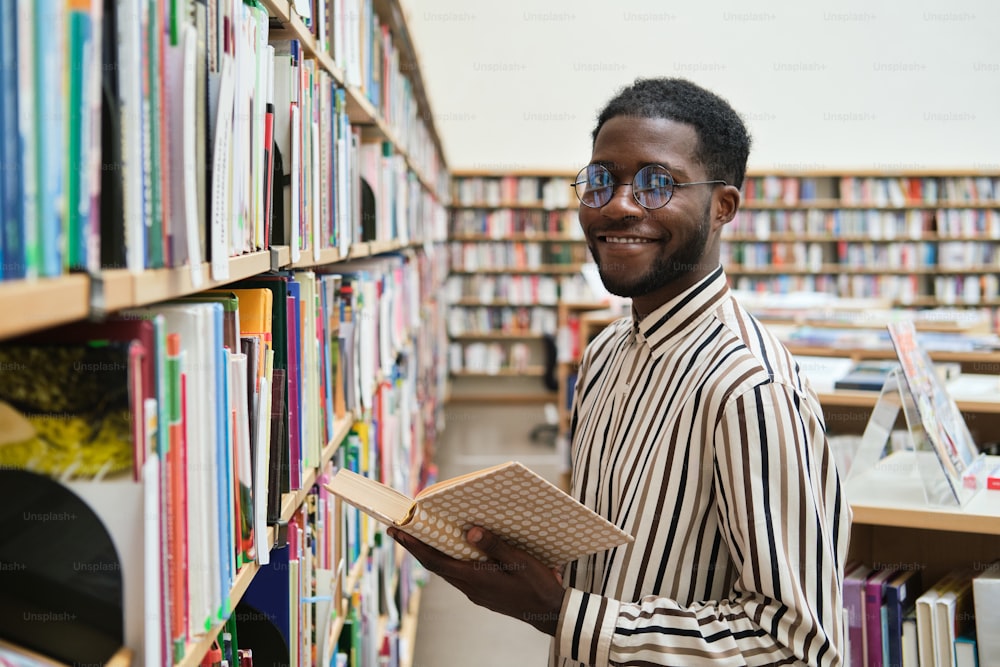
x=509 y=500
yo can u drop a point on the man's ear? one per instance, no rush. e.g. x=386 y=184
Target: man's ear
x=727 y=203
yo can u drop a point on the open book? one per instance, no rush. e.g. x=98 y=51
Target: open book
x=509 y=500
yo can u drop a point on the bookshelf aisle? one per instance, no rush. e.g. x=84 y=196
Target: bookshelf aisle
x=516 y=251
x=186 y=358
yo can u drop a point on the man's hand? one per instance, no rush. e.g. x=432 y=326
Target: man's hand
x=511 y=582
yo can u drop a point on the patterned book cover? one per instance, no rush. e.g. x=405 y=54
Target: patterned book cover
x=509 y=500
x=65 y=409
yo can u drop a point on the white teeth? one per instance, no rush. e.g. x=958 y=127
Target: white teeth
x=618 y=239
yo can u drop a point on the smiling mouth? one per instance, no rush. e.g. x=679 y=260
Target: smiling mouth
x=624 y=239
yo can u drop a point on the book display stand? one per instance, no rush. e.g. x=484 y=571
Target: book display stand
x=938 y=452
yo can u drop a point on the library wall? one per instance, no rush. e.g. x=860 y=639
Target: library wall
x=891 y=85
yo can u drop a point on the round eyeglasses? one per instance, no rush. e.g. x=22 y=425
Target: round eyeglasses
x=652 y=186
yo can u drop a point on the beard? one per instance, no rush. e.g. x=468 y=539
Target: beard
x=622 y=281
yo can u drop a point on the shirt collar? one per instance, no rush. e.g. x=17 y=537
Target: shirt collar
x=670 y=321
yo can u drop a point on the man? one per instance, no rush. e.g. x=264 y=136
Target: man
x=692 y=429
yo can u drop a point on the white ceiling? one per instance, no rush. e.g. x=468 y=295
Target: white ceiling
x=517 y=84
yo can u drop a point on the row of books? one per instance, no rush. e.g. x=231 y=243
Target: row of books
x=913 y=224
x=178 y=134
x=946 y=290
x=896 y=255
x=210 y=409
x=963 y=254
x=504 y=222
x=501 y=319
x=875 y=191
x=523 y=290
x=779 y=255
x=489 y=358
x=896 y=617
x=787 y=190
x=902 y=191
x=514 y=290
x=550 y=193
x=952 y=255
x=786 y=284
x=515 y=255
x=967 y=289
x=221 y=400
x=363 y=45
x=333 y=554
x=968 y=222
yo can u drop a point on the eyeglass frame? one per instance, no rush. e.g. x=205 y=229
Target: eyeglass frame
x=615 y=184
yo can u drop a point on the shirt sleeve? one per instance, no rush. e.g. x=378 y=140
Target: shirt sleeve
x=785 y=522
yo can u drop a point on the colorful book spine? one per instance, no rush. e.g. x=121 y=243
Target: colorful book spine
x=77 y=192
x=173 y=484
x=49 y=92
x=12 y=235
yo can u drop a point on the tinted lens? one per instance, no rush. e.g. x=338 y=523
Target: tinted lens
x=653 y=186
x=594 y=185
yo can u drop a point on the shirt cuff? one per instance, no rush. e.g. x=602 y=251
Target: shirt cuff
x=586 y=626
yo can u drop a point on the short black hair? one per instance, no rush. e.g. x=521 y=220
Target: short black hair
x=723 y=139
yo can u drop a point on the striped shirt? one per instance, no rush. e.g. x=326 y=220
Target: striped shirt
x=694 y=431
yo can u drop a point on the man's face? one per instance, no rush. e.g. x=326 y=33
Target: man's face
x=651 y=255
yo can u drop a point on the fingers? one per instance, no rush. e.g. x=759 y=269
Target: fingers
x=500 y=556
x=491 y=545
x=432 y=559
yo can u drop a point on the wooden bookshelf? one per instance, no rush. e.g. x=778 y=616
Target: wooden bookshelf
x=29 y=305
x=34 y=305
x=854 y=233
x=197 y=648
x=502 y=208
x=48 y=302
x=360 y=110
x=845 y=398
x=894 y=524
x=125 y=289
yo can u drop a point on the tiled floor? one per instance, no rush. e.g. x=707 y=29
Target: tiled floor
x=451 y=631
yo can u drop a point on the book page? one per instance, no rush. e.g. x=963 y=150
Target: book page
x=455 y=481
x=380 y=501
